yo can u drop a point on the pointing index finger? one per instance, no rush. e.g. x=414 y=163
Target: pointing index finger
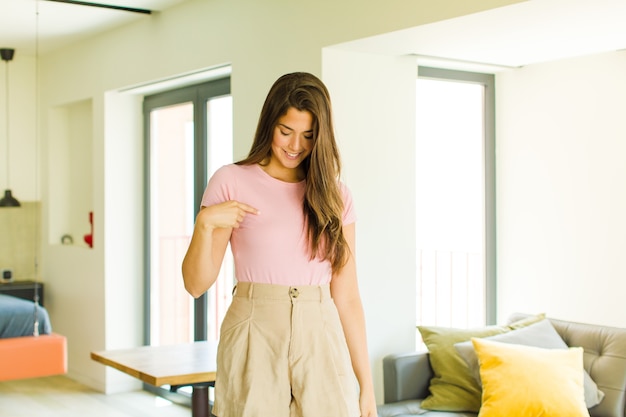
x=248 y=208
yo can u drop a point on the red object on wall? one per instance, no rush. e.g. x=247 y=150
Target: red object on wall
x=89 y=238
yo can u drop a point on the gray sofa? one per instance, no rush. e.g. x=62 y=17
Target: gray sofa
x=407 y=376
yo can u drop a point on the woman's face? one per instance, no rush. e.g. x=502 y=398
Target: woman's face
x=291 y=144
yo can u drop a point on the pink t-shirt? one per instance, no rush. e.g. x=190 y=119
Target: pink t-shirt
x=270 y=247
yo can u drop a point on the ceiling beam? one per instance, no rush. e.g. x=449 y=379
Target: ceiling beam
x=105 y=6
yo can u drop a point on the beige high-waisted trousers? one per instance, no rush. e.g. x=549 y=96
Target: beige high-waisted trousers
x=282 y=353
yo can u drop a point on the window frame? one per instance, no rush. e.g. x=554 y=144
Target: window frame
x=489 y=154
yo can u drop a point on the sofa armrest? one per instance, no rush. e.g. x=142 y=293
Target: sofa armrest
x=406 y=376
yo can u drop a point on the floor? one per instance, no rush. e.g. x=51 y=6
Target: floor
x=59 y=396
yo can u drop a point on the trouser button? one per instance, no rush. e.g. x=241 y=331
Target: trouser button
x=294 y=292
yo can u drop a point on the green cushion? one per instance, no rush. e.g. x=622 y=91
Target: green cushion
x=453 y=388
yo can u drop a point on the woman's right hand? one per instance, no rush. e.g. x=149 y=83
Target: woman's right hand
x=210 y=236
x=228 y=214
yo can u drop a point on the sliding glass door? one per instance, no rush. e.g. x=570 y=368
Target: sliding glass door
x=188 y=136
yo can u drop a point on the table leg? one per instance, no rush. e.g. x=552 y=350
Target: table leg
x=200 y=401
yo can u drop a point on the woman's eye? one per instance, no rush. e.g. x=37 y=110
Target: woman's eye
x=309 y=137
x=284 y=133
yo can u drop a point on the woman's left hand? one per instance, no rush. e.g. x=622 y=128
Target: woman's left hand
x=368 y=406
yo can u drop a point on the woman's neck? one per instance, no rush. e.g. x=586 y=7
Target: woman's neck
x=282 y=173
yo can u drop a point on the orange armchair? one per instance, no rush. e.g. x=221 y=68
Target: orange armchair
x=32 y=356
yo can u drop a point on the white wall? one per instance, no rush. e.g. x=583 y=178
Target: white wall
x=378 y=150
x=561 y=190
x=96 y=293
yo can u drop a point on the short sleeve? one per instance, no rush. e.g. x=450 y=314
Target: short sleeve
x=219 y=188
x=349 y=213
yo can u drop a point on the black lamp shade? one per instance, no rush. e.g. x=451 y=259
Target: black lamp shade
x=7 y=53
x=8 y=200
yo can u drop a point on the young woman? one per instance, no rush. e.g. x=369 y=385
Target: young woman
x=294 y=336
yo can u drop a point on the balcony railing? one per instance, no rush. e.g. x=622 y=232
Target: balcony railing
x=450 y=289
x=172 y=306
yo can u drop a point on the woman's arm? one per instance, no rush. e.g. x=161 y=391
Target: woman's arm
x=345 y=292
x=211 y=233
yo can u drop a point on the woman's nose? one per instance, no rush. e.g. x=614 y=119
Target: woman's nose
x=295 y=142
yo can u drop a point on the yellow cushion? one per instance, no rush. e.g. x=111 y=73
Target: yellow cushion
x=526 y=381
x=453 y=388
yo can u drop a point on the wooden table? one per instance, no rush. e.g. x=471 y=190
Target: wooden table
x=191 y=364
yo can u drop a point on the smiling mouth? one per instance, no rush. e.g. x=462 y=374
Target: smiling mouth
x=292 y=155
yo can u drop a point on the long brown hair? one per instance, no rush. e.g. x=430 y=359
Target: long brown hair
x=323 y=202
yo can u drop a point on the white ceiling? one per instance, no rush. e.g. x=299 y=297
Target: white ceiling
x=524 y=33
x=516 y=35
x=60 y=24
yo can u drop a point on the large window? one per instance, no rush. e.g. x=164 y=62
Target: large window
x=188 y=137
x=455 y=198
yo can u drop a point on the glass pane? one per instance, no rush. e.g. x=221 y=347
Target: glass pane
x=220 y=152
x=450 y=203
x=171 y=211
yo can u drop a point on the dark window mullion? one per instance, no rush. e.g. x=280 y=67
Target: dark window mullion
x=200 y=180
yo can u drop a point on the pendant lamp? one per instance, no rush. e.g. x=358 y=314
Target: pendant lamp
x=8 y=200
